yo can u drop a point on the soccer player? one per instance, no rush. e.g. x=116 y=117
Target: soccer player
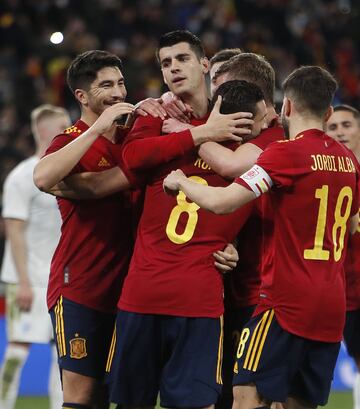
x=344 y=126
x=217 y=60
x=92 y=257
x=288 y=350
x=32 y=223
x=169 y=318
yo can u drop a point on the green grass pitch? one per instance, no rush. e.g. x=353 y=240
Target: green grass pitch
x=338 y=400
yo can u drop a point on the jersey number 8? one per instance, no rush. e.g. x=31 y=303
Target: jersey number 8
x=183 y=206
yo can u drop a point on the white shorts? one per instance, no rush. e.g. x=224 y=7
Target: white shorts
x=32 y=326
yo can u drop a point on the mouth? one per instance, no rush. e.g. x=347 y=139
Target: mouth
x=177 y=80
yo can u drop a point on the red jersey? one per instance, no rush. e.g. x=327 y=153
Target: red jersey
x=243 y=284
x=172 y=270
x=352 y=272
x=314 y=192
x=91 y=259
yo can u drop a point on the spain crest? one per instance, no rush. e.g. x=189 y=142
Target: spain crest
x=78 y=347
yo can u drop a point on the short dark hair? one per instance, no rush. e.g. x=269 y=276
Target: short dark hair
x=181 y=36
x=238 y=96
x=312 y=89
x=253 y=68
x=224 y=55
x=348 y=108
x=83 y=69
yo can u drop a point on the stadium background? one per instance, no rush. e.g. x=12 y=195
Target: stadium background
x=32 y=69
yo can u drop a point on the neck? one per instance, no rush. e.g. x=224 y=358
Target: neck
x=89 y=117
x=199 y=102
x=271 y=113
x=356 y=152
x=301 y=124
x=41 y=149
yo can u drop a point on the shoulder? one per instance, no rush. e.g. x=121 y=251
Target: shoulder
x=22 y=170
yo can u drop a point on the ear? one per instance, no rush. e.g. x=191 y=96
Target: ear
x=205 y=64
x=287 y=107
x=81 y=96
x=328 y=113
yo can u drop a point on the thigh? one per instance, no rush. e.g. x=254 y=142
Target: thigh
x=192 y=373
x=312 y=381
x=135 y=360
x=33 y=326
x=352 y=333
x=82 y=336
x=268 y=357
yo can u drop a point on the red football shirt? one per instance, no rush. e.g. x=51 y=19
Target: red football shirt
x=352 y=272
x=243 y=284
x=172 y=270
x=314 y=192
x=91 y=259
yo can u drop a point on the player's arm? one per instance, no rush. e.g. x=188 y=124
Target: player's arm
x=227 y=163
x=92 y=185
x=219 y=200
x=145 y=148
x=15 y=233
x=55 y=166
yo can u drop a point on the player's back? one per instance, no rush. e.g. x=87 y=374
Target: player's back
x=315 y=193
x=172 y=269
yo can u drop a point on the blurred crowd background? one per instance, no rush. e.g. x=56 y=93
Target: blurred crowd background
x=33 y=69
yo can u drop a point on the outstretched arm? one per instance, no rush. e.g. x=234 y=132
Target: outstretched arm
x=227 y=163
x=219 y=200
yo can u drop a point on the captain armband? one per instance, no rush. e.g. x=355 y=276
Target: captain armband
x=258 y=180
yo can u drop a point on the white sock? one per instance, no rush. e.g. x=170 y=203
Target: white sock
x=356 y=391
x=55 y=389
x=12 y=365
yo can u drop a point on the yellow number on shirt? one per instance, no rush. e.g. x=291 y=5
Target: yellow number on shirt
x=318 y=252
x=183 y=206
x=340 y=221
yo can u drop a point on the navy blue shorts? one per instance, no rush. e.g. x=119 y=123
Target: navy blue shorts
x=234 y=322
x=177 y=356
x=82 y=336
x=281 y=364
x=352 y=333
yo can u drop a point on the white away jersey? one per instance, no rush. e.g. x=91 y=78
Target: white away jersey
x=23 y=200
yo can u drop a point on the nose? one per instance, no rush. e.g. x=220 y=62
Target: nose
x=120 y=92
x=174 y=66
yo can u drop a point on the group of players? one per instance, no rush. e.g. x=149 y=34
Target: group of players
x=284 y=302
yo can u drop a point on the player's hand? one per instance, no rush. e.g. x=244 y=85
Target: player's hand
x=226 y=260
x=171 y=182
x=107 y=119
x=173 y=125
x=150 y=106
x=228 y=127
x=176 y=108
x=24 y=296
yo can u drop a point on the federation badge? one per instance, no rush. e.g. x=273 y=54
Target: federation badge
x=78 y=348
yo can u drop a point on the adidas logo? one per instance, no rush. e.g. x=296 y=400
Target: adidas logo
x=103 y=162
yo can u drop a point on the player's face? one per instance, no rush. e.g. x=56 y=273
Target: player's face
x=213 y=81
x=343 y=127
x=183 y=72
x=53 y=125
x=259 y=120
x=217 y=81
x=107 y=89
